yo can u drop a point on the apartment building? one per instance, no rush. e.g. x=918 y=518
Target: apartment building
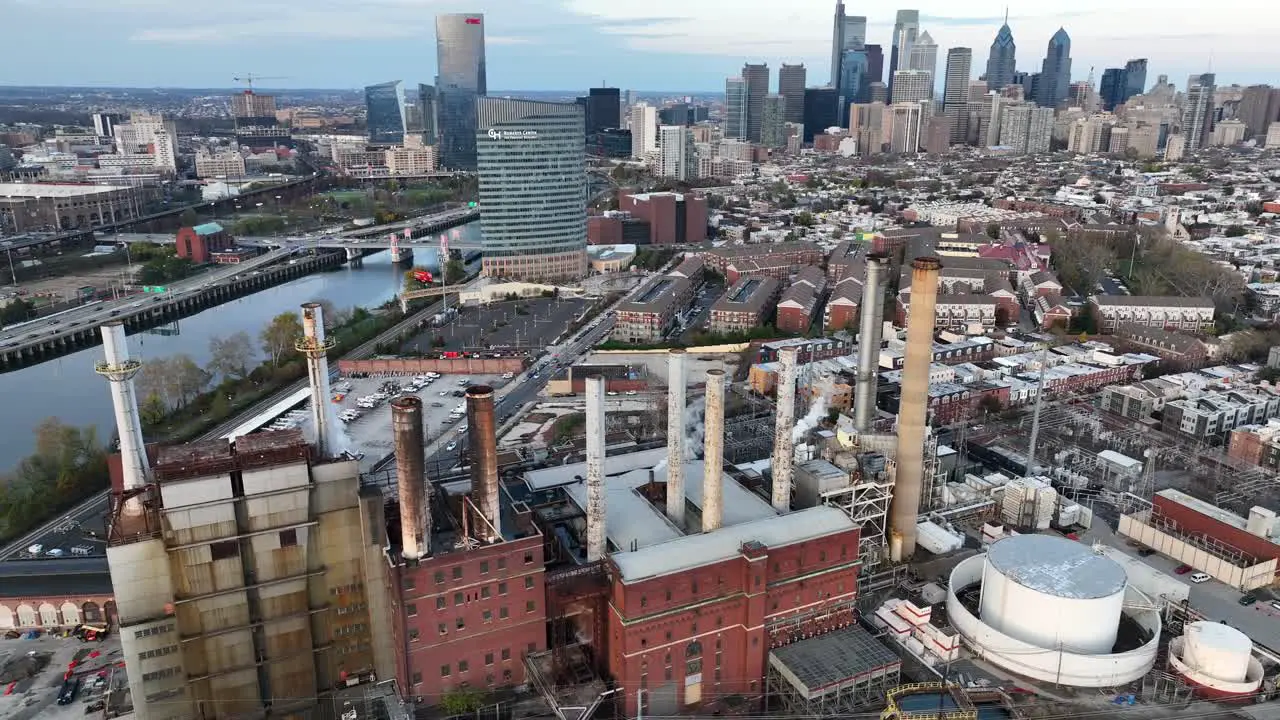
x=1212 y=416
x=800 y=302
x=219 y=164
x=794 y=255
x=652 y=310
x=1175 y=313
x=841 y=311
x=747 y=304
x=1257 y=444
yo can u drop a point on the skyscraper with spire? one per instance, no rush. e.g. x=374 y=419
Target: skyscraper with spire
x=1001 y=63
x=849 y=32
x=905 y=30
x=1055 y=73
x=924 y=57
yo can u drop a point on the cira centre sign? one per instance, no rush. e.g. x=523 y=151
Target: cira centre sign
x=513 y=134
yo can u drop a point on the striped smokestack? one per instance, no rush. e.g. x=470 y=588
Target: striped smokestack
x=914 y=404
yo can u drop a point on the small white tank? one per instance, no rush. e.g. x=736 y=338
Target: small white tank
x=1219 y=651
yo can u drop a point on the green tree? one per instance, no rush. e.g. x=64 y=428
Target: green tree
x=280 y=337
x=993 y=231
x=1234 y=231
x=17 y=311
x=454 y=271
x=188 y=218
x=230 y=357
x=153 y=410
x=804 y=218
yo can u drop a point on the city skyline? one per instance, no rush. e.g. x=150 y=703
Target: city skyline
x=541 y=44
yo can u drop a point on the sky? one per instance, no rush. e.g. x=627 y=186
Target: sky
x=648 y=45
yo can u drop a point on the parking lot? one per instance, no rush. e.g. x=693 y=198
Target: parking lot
x=700 y=313
x=32 y=673
x=534 y=323
x=81 y=534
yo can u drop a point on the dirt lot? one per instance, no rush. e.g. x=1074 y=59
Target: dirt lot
x=33 y=674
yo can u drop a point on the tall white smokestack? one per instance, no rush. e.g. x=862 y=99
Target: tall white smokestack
x=869 y=342
x=785 y=421
x=675 y=436
x=913 y=408
x=315 y=346
x=597 y=541
x=713 y=454
x=119 y=369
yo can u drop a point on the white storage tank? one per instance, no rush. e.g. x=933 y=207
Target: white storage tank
x=1217 y=650
x=1052 y=593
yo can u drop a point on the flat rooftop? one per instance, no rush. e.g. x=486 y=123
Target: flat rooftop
x=43 y=190
x=829 y=660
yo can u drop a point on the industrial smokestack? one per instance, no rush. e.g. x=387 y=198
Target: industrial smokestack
x=914 y=404
x=315 y=346
x=869 y=342
x=415 y=520
x=675 y=436
x=483 y=440
x=597 y=540
x=785 y=421
x=713 y=453
x=118 y=368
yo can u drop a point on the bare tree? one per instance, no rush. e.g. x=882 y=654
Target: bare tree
x=231 y=356
x=155 y=380
x=188 y=379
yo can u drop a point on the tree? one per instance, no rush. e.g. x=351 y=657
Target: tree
x=280 y=336
x=154 y=381
x=153 y=410
x=1235 y=231
x=188 y=218
x=454 y=271
x=333 y=317
x=993 y=231
x=17 y=311
x=804 y=218
x=230 y=357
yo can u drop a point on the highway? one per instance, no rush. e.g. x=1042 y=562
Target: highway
x=370 y=238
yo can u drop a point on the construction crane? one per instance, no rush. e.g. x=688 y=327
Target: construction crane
x=249 y=79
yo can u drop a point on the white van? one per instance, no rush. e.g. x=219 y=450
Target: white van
x=1199 y=577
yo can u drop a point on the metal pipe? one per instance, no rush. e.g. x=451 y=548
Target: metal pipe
x=315 y=347
x=597 y=540
x=119 y=370
x=784 y=425
x=869 y=342
x=675 y=436
x=713 y=454
x=415 y=520
x=912 y=412
x=483 y=444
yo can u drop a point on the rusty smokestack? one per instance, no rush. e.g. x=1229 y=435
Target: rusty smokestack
x=912 y=413
x=713 y=454
x=415 y=520
x=864 y=403
x=675 y=436
x=119 y=369
x=482 y=436
x=784 y=426
x=315 y=347
x=597 y=539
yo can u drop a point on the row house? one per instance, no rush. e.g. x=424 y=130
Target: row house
x=1051 y=311
x=1210 y=417
x=1174 y=313
x=795 y=254
x=800 y=302
x=841 y=312
x=1257 y=444
x=1169 y=345
x=1075 y=378
x=963 y=312
x=747 y=304
x=807 y=349
x=1037 y=284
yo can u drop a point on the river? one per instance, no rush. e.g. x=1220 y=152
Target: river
x=69 y=389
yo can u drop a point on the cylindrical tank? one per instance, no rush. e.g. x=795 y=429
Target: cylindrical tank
x=1219 y=651
x=1052 y=593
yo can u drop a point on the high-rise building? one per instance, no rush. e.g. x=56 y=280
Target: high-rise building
x=911 y=86
x=907 y=118
x=791 y=80
x=955 y=94
x=1015 y=120
x=937 y=135
x=427 y=113
x=104 y=124
x=866 y=125
x=460 y=79
x=756 y=78
x=905 y=29
x=1002 y=62
x=1040 y=130
x=1197 y=113
x=1135 y=77
x=1112 y=88
x=821 y=110
x=253 y=107
x=853 y=79
x=735 y=107
x=531 y=158
x=644 y=129
x=924 y=56
x=848 y=32
x=1055 y=73
x=771 y=126
x=604 y=107
x=149 y=134
x=384 y=113
x=1255 y=103
x=677 y=157
x=875 y=64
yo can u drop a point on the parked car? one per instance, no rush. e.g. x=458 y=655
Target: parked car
x=1182 y=569
x=1199 y=577
x=1146 y=552
x=1248 y=599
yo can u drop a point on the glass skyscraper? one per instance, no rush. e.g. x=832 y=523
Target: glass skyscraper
x=384 y=113
x=1055 y=74
x=1002 y=63
x=905 y=30
x=1135 y=77
x=531 y=158
x=460 y=79
x=855 y=87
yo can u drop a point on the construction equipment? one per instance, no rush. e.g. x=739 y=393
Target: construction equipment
x=250 y=78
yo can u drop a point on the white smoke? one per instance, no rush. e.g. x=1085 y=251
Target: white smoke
x=811 y=419
x=695 y=428
x=337 y=440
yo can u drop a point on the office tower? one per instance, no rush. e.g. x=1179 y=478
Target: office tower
x=906 y=118
x=875 y=64
x=774 y=115
x=791 y=80
x=675 y=114
x=1112 y=88
x=460 y=79
x=756 y=78
x=879 y=93
x=1055 y=73
x=1135 y=77
x=1040 y=130
x=384 y=113
x=924 y=57
x=905 y=29
x=853 y=79
x=677 y=157
x=149 y=134
x=821 y=110
x=991 y=120
x=955 y=94
x=531 y=158
x=1228 y=133
x=910 y=86
x=848 y=33
x=937 y=135
x=1015 y=121
x=104 y=124
x=427 y=113
x=603 y=109
x=1002 y=63
x=866 y=126
x=1254 y=105
x=735 y=107
x=644 y=129
x=1197 y=113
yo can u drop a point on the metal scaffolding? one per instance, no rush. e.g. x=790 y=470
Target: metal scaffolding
x=835 y=674
x=866 y=501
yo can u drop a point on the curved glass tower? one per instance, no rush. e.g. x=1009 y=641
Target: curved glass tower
x=1001 y=63
x=460 y=79
x=1055 y=74
x=384 y=113
x=533 y=188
